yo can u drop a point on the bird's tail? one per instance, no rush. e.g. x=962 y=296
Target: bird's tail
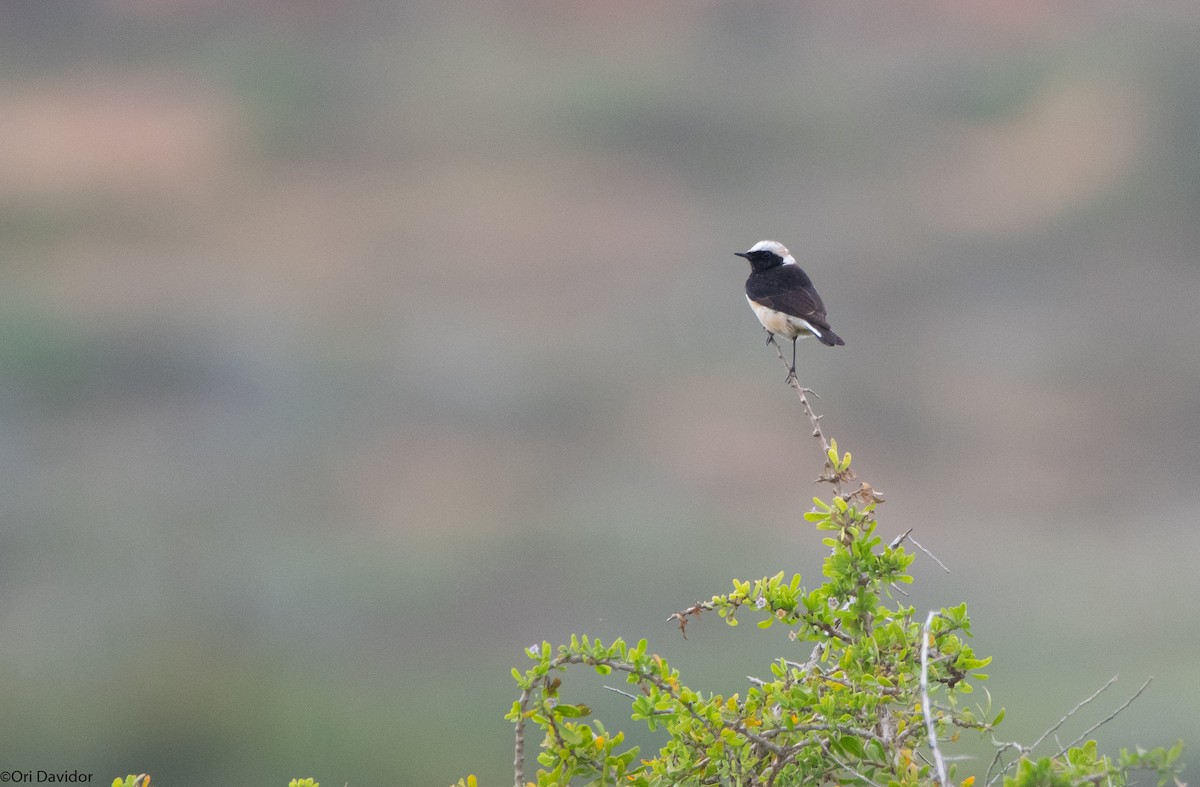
x=829 y=338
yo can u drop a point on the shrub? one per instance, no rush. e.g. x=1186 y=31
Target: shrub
x=881 y=692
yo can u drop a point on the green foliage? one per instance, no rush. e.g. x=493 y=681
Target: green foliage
x=850 y=712
x=140 y=780
x=1082 y=765
x=1166 y=763
x=303 y=783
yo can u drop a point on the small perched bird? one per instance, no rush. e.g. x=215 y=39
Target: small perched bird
x=783 y=298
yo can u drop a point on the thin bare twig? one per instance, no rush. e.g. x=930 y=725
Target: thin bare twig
x=845 y=766
x=927 y=552
x=1107 y=718
x=1023 y=751
x=622 y=693
x=1002 y=746
x=930 y=726
x=1072 y=712
x=813 y=418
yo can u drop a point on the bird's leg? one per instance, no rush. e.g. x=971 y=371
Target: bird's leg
x=792 y=371
x=770 y=336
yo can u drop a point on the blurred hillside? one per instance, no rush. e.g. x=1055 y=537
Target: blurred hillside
x=351 y=348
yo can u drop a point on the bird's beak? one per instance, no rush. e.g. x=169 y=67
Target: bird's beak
x=742 y=254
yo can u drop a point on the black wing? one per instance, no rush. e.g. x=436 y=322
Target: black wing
x=788 y=289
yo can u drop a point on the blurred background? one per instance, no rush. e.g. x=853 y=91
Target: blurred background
x=348 y=349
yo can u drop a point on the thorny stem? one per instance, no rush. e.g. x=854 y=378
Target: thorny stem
x=519 y=755
x=813 y=418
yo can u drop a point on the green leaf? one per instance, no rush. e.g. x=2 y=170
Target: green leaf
x=852 y=745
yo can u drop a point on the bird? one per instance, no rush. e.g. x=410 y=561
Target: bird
x=783 y=298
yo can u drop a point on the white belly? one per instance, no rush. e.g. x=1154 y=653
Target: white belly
x=779 y=323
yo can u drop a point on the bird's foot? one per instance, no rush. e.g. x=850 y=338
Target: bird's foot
x=791 y=377
x=770 y=338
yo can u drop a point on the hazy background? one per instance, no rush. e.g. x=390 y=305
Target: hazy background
x=346 y=349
